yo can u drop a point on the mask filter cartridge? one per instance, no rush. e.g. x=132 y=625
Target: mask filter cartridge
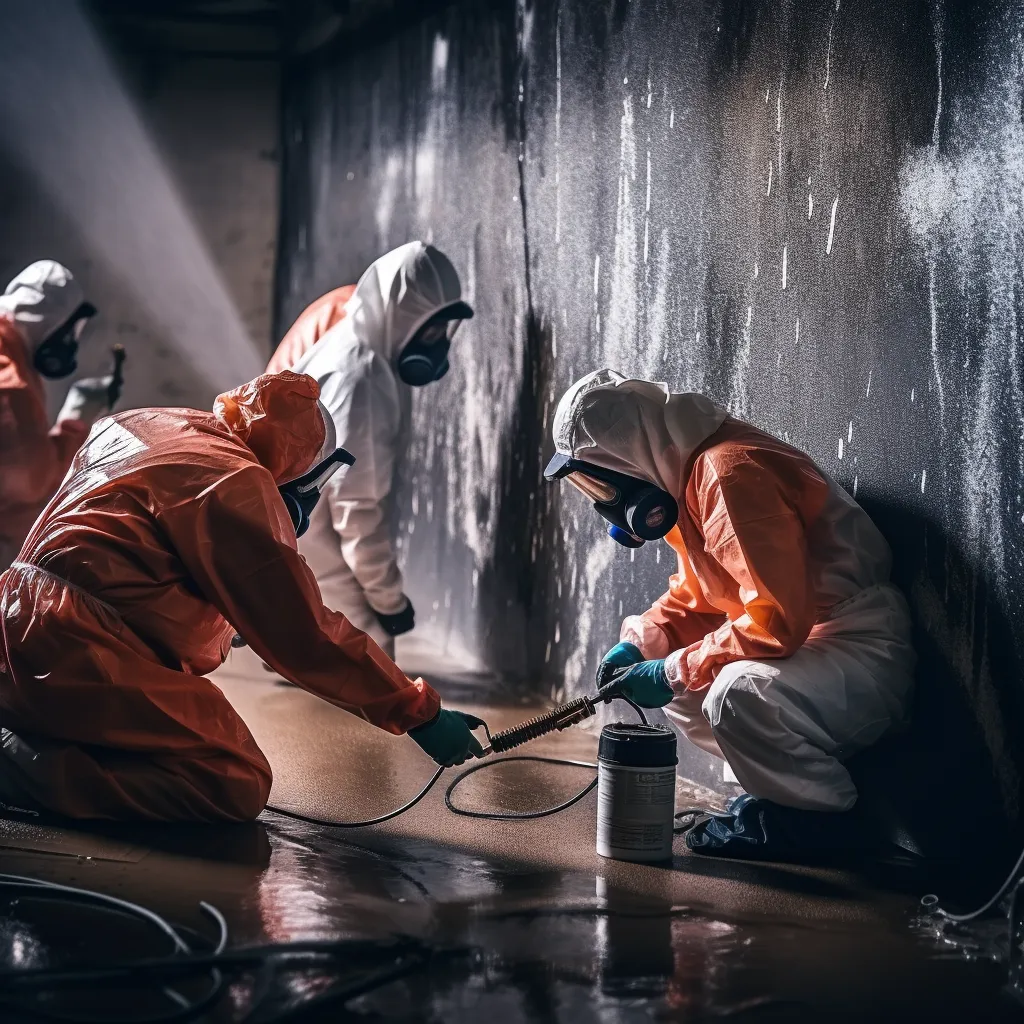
x=636 y=791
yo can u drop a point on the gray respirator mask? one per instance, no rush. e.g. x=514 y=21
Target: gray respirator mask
x=424 y=358
x=636 y=511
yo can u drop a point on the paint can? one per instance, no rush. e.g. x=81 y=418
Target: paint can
x=636 y=792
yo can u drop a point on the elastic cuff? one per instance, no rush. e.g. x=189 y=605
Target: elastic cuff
x=646 y=635
x=425 y=725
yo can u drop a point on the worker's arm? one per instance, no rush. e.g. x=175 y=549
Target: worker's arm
x=367 y=417
x=751 y=517
x=679 y=617
x=237 y=542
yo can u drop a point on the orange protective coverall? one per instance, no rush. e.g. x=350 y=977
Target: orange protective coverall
x=312 y=324
x=745 y=584
x=33 y=455
x=169 y=535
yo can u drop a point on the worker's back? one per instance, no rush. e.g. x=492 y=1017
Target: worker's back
x=134 y=469
x=312 y=324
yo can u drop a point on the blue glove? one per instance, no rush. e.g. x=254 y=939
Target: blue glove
x=620 y=656
x=447 y=737
x=644 y=684
x=399 y=623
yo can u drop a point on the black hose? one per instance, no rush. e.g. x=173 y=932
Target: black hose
x=528 y=733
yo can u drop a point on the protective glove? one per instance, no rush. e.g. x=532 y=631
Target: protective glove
x=399 y=623
x=644 y=684
x=87 y=400
x=447 y=737
x=620 y=656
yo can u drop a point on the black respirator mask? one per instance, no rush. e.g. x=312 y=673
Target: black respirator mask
x=56 y=357
x=636 y=510
x=301 y=495
x=424 y=358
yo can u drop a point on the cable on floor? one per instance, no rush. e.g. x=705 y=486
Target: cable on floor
x=457 y=781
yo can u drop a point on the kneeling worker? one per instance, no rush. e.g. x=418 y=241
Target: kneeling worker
x=173 y=530
x=780 y=643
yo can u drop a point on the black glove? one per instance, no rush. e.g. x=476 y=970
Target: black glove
x=399 y=623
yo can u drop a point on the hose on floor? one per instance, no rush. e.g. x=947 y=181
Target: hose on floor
x=31 y=990
x=931 y=901
x=458 y=780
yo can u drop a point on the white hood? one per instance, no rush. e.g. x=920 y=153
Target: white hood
x=40 y=299
x=399 y=293
x=637 y=427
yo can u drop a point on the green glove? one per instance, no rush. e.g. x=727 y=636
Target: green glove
x=447 y=737
x=644 y=684
x=621 y=655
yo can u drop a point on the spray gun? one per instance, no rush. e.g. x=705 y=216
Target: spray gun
x=557 y=719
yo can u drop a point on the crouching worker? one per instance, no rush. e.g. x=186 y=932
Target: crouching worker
x=173 y=530
x=780 y=644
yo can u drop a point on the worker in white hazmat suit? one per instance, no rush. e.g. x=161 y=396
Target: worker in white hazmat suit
x=395 y=335
x=780 y=644
x=43 y=314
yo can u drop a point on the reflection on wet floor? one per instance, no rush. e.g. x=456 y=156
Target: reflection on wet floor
x=516 y=921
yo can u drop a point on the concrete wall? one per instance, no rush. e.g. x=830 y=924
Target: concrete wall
x=810 y=211
x=155 y=180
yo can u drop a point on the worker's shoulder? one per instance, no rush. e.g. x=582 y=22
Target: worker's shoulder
x=177 y=444
x=738 y=446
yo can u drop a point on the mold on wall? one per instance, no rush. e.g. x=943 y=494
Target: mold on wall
x=811 y=212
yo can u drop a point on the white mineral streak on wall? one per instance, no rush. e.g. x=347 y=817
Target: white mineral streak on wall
x=964 y=205
x=778 y=130
x=738 y=398
x=384 y=210
x=619 y=346
x=657 y=321
x=558 y=129
x=832 y=226
x=600 y=553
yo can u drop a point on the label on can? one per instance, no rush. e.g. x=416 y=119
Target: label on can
x=635 y=812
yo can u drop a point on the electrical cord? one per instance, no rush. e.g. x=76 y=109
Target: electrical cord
x=458 y=780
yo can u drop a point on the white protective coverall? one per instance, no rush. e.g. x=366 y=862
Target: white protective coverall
x=349 y=544
x=786 y=644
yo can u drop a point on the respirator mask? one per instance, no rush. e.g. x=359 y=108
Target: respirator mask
x=56 y=357
x=424 y=358
x=636 y=510
x=301 y=495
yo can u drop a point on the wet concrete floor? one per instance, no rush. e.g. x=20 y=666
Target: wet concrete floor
x=514 y=921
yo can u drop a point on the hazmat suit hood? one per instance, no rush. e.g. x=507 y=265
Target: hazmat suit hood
x=278 y=416
x=398 y=294
x=637 y=427
x=40 y=299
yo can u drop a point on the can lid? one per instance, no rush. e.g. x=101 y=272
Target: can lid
x=637 y=746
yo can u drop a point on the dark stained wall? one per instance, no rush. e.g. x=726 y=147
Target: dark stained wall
x=810 y=210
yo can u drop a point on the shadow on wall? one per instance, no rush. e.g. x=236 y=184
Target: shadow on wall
x=511 y=588
x=950 y=779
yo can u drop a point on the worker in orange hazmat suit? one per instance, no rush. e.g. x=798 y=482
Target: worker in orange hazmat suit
x=780 y=644
x=173 y=530
x=42 y=316
x=312 y=324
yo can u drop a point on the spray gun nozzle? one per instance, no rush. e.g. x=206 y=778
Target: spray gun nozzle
x=556 y=719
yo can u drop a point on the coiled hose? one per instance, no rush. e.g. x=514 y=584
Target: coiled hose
x=556 y=719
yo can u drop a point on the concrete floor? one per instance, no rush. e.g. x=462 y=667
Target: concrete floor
x=522 y=921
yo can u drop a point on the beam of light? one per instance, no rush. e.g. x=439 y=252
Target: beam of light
x=65 y=117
